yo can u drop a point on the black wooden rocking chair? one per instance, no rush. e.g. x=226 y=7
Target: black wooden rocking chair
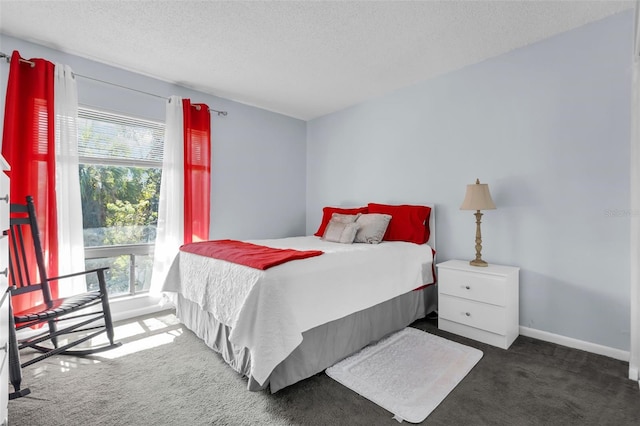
x=52 y=314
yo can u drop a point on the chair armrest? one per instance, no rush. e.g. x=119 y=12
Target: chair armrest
x=102 y=284
x=76 y=274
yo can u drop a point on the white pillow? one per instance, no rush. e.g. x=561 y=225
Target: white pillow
x=340 y=232
x=372 y=227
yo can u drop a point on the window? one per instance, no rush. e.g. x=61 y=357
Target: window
x=120 y=168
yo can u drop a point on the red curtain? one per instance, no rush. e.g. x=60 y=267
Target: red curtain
x=197 y=171
x=28 y=145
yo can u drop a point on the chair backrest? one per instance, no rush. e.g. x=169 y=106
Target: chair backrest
x=27 y=270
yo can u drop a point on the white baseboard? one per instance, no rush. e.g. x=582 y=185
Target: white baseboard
x=138 y=312
x=575 y=343
x=123 y=308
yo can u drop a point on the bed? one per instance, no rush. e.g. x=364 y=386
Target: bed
x=283 y=324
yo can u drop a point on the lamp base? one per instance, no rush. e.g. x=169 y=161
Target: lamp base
x=478 y=262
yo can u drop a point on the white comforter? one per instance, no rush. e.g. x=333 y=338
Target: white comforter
x=269 y=310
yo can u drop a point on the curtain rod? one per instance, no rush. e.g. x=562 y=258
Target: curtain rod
x=8 y=59
x=220 y=113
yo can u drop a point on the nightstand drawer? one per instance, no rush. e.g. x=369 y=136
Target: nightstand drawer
x=483 y=288
x=474 y=314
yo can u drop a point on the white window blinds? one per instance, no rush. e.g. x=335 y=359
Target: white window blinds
x=103 y=135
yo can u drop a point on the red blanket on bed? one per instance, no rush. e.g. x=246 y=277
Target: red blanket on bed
x=247 y=254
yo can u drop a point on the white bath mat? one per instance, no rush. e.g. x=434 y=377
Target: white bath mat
x=408 y=373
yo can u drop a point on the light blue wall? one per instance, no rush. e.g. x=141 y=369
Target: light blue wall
x=548 y=128
x=258 y=157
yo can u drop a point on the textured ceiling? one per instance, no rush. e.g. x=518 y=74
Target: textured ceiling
x=300 y=58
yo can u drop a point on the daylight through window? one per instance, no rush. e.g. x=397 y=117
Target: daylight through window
x=120 y=170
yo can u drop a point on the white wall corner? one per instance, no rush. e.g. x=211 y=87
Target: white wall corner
x=633 y=374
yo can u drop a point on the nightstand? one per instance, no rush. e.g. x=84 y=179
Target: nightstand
x=480 y=303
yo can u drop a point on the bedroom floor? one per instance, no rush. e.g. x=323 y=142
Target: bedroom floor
x=164 y=375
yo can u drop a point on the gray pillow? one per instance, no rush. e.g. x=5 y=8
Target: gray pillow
x=345 y=218
x=340 y=232
x=372 y=227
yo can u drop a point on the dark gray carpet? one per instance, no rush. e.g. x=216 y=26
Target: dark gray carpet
x=185 y=383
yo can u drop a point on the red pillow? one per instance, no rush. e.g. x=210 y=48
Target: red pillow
x=408 y=223
x=328 y=211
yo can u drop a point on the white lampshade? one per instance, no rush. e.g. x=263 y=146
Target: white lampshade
x=477 y=197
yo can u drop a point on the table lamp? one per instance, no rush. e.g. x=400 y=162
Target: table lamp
x=478 y=198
